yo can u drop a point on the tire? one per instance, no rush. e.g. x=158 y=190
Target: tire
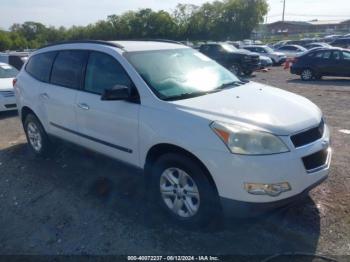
x=235 y=69
x=249 y=72
x=37 y=138
x=318 y=77
x=306 y=74
x=183 y=191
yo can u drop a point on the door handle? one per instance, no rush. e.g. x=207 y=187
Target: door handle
x=83 y=106
x=44 y=96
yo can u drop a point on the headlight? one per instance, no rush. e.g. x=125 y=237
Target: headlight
x=246 y=141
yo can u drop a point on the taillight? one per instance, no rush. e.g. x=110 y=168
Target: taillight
x=14 y=81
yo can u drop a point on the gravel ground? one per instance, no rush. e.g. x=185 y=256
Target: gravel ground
x=78 y=202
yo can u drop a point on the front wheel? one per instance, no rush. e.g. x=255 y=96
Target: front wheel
x=183 y=190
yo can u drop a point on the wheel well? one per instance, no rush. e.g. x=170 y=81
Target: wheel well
x=156 y=151
x=26 y=111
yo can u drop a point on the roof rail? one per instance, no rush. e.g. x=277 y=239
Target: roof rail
x=156 y=40
x=85 y=42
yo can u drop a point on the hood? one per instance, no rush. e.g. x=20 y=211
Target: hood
x=253 y=104
x=6 y=84
x=278 y=53
x=243 y=52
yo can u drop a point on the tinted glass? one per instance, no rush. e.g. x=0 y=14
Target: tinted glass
x=68 y=67
x=104 y=72
x=323 y=55
x=7 y=71
x=346 y=55
x=172 y=73
x=336 y=55
x=39 y=66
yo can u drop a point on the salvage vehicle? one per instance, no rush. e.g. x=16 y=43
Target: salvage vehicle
x=276 y=57
x=7 y=95
x=238 y=61
x=322 y=62
x=207 y=141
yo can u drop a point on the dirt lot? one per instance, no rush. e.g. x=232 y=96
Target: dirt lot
x=81 y=203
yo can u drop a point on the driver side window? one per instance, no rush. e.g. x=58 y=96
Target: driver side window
x=104 y=72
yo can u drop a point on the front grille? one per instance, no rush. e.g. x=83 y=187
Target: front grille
x=11 y=106
x=315 y=160
x=7 y=93
x=308 y=136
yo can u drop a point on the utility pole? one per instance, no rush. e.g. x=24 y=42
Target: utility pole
x=284 y=9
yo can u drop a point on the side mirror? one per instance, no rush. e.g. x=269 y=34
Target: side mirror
x=118 y=92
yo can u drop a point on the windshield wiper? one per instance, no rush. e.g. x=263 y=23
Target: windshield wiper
x=201 y=93
x=189 y=95
x=230 y=84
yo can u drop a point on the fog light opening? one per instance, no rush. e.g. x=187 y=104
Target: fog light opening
x=267 y=189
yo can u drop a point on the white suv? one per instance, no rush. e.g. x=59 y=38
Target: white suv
x=205 y=139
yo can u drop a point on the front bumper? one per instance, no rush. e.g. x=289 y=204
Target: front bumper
x=232 y=208
x=231 y=171
x=7 y=103
x=251 y=67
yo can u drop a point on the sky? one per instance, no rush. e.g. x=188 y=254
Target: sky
x=83 y=12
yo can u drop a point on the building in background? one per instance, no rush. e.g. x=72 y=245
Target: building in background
x=307 y=27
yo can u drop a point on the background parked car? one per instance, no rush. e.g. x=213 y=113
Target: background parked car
x=313 y=45
x=322 y=62
x=291 y=50
x=236 y=60
x=276 y=57
x=265 y=61
x=341 y=42
x=15 y=59
x=7 y=95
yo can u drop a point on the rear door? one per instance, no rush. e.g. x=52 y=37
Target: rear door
x=60 y=95
x=109 y=127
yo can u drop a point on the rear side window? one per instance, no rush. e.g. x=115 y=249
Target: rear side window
x=104 y=72
x=39 y=66
x=68 y=68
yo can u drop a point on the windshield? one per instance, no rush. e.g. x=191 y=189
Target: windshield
x=268 y=49
x=228 y=47
x=179 y=72
x=7 y=71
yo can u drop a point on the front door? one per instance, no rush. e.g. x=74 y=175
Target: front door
x=109 y=127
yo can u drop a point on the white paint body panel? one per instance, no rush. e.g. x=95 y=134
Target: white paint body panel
x=184 y=123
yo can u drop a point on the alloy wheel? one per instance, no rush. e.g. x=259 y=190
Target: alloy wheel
x=34 y=136
x=179 y=192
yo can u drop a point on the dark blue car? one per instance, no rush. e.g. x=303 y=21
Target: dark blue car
x=322 y=62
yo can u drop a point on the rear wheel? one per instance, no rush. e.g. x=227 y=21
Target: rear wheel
x=235 y=68
x=183 y=190
x=307 y=74
x=37 y=138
